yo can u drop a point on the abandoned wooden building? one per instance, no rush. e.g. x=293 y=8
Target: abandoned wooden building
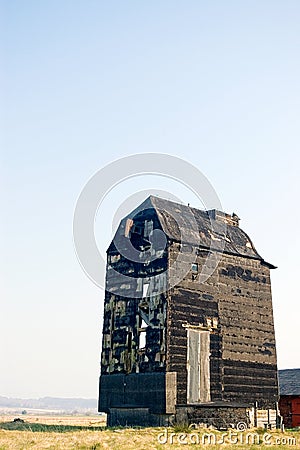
x=289 y=403
x=188 y=331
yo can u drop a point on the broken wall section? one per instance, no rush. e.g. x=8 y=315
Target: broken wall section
x=135 y=309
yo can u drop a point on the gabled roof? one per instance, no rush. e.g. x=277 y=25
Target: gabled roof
x=213 y=229
x=289 y=381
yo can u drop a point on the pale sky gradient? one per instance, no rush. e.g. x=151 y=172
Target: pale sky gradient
x=86 y=82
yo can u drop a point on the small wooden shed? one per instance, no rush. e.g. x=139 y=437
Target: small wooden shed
x=289 y=403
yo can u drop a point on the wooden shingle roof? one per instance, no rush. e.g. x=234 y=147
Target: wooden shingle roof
x=183 y=223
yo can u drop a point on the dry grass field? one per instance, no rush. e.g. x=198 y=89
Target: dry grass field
x=89 y=432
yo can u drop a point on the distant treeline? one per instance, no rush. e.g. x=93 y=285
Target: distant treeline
x=49 y=403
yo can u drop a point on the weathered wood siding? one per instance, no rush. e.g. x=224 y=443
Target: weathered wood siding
x=236 y=303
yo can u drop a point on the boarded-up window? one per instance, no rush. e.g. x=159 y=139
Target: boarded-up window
x=198 y=382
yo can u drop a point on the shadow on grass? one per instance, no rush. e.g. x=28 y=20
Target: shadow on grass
x=38 y=427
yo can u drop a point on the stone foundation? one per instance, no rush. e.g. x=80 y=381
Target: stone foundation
x=218 y=415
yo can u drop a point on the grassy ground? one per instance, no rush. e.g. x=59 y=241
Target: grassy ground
x=55 y=433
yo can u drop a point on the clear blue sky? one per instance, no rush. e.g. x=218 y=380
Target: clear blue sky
x=86 y=82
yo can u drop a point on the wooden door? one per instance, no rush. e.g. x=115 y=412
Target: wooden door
x=198 y=374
